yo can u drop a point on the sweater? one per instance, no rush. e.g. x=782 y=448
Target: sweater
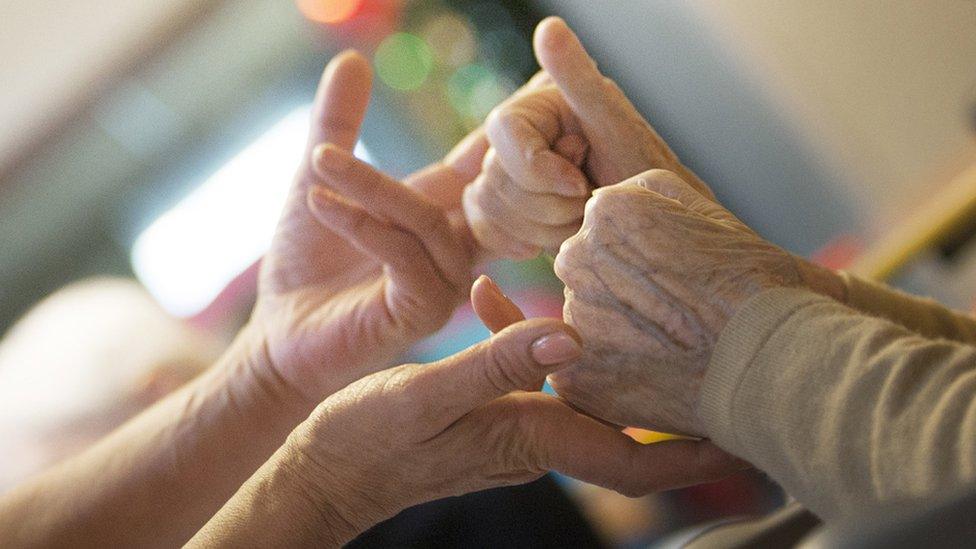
x=847 y=406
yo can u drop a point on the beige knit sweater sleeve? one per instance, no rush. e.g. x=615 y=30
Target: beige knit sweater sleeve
x=844 y=409
x=925 y=316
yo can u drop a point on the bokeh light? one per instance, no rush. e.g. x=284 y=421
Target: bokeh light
x=473 y=90
x=452 y=39
x=404 y=61
x=329 y=11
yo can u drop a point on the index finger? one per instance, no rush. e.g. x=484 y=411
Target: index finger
x=586 y=449
x=563 y=56
x=341 y=101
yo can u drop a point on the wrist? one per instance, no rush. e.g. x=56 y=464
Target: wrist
x=332 y=492
x=822 y=280
x=314 y=509
x=252 y=385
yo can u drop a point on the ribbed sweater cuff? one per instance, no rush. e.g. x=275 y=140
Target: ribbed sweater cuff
x=864 y=295
x=743 y=337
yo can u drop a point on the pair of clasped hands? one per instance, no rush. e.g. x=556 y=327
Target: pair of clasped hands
x=362 y=266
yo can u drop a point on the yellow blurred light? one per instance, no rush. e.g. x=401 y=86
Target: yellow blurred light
x=644 y=436
x=403 y=61
x=329 y=11
x=451 y=38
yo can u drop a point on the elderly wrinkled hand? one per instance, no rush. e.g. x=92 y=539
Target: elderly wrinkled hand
x=569 y=132
x=652 y=277
x=472 y=421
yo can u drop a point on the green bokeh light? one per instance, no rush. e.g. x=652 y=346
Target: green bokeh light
x=404 y=61
x=473 y=90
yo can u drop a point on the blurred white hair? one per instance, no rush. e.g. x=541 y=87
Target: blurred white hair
x=89 y=351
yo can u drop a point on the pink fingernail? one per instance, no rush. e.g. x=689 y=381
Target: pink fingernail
x=332 y=158
x=570 y=188
x=322 y=199
x=555 y=348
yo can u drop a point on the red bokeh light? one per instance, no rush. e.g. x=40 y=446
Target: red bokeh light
x=331 y=12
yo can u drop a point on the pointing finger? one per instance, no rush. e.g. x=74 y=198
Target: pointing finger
x=397 y=203
x=341 y=101
x=492 y=306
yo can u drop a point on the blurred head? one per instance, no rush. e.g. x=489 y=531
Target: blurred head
x=83 y=361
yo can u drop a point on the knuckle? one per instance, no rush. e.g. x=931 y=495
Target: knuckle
x=433 y=220
x=508 y=367
x=567 y=259
x=496 y=118
x=523 y=437
x=595 y=207
x=500 y=123
x=484 y=197
x=396 y=389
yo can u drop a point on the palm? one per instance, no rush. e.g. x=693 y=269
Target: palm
x=311 y=280
x=331 y=312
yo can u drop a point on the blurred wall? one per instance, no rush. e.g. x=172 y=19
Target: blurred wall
x=811 y=119
x=54 y=52
x=885 y=90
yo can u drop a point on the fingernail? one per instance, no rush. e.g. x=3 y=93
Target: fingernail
x=331 y=158
x=555 y=348
x=570 y=188
x=491 y=284
x=321 y=199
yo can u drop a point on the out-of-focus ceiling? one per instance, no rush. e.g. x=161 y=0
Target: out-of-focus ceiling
x=172 y=99
x=53 y=52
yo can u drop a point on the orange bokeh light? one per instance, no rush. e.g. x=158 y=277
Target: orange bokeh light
x=329 y=11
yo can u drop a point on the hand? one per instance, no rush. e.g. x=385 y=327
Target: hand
x=517 y=207
x=651 y=280
x=417 y=433
x=552 y=144
x=361 y=266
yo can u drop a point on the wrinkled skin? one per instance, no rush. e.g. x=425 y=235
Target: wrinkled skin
x=652 y=278
x=552 y=145
x=334 y=302
x=473 y=421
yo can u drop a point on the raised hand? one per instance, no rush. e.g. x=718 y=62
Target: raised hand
x=361 y=266
x=552 y=144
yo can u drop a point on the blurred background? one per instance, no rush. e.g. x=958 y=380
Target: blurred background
x=147 y=147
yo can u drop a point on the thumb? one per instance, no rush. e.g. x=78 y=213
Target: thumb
x=515 y=359
x=593 y=97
